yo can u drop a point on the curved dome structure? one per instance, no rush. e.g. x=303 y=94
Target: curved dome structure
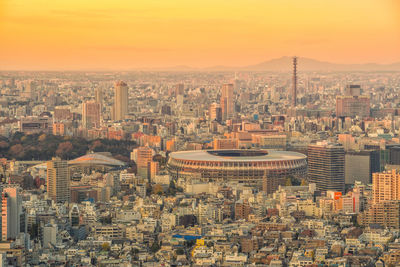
x=95 y=161
x=260 y=168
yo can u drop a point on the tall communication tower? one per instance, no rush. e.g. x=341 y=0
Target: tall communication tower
x=294 y=83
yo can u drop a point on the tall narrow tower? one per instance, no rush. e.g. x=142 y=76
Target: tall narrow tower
x=58 y=180
x=120 y=101
x=99 y=97
x=11 y=211
x=227 y=101
x=294 y=83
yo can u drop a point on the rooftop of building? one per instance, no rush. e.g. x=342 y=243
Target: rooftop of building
x=325 y=144
x=96 y=159
x=237 y=155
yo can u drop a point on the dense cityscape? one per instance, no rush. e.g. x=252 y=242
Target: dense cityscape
x=184 y=133
x=200 y=169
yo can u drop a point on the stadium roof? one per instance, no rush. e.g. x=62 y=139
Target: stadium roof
x=96 y=159
x=237 y=155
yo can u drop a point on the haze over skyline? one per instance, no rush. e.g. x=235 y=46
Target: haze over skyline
x=123 y=34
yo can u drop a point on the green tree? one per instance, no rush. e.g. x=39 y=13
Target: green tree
x=189 y=243
x=42 y=138
x=4 y=145
x=157 y=189
x=155 y=247
x=105 y=246
x=180 y=251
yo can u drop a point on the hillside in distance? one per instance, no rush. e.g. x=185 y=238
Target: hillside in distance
x=284 y=64
x=308 y=64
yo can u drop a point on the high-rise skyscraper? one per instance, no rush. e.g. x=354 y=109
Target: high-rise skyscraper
x=90 y=114
x=29 y=90
x=215 y=112
x=144 y=157
x=99 y=97
x=385 y=207
x=385 y=186
x=394 y=155
x=326 y=166
x=121 y=101
x=58 y=180
x=294 y=83
x=227 y=101
x=360 y=165
x=179 y=89
x=352 y=103
x=11 y=211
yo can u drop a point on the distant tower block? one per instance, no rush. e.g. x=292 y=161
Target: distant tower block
x=121 y=101
x=294 y=83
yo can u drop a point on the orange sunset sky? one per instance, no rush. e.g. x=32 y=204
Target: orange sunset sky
x=125 y=34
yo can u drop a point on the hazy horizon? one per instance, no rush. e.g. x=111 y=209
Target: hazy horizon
x=217 y=67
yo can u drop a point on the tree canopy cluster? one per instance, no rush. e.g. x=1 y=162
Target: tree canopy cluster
x=45 y=146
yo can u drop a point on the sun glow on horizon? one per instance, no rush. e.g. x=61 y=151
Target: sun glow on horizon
x=124 y=34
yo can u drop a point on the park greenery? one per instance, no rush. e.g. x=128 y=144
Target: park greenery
x=43 y=146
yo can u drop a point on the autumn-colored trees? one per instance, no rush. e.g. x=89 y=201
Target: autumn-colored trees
x=64 y=150
x=17 y=151
x=45 y=146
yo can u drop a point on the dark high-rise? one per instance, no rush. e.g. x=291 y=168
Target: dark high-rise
x=394 y=153
x=326 y=166
x=360 y=165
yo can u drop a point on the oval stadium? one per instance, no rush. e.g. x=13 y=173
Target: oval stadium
x=261 y=168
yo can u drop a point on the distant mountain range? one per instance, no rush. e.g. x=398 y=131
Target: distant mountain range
x=304 y=64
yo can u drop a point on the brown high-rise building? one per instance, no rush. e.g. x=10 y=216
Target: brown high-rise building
x=386 y=214
x=242 y=210
x=91 y=114
x=250 y=243
x=121 y=101
x=144 y=157
x=385 y=207
x=352 y=103
x=227 y=102
x=215 y=112
x=58 y=180
x=29 y=90
x=225 y=143
x=385 y=186
x=326 y=166
x=62 y=114
x=179 y=89
x=294 y=83
x=99 y=97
